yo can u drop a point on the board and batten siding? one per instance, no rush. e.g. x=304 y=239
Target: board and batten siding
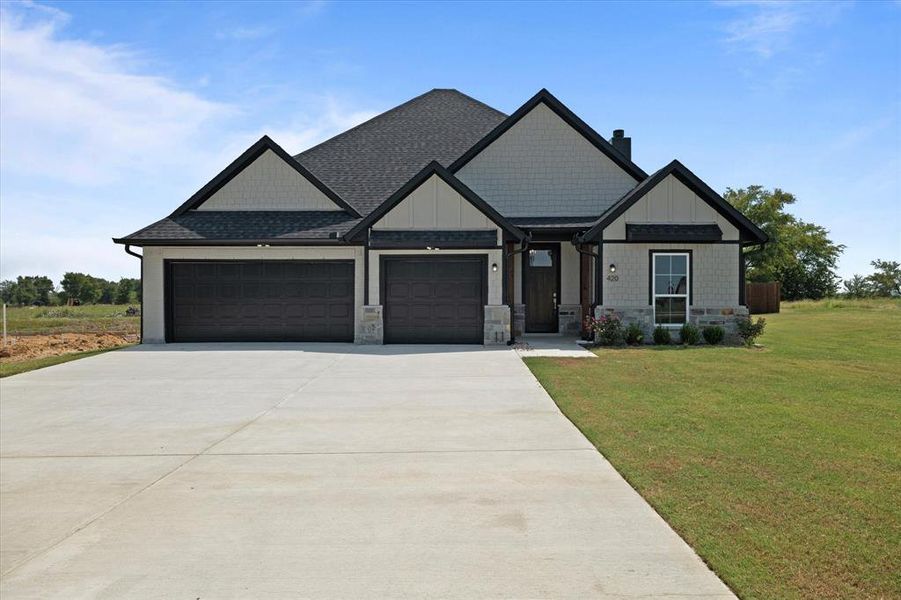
x=714 y=274
x=670 y=201
x=268 y=183
x=542 y=166
x=154 y=308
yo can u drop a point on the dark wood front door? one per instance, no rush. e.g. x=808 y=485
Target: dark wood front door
x=541 y=279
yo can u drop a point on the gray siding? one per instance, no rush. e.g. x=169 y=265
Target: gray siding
x=714 y=272
x=268 y=183
x=543 y=167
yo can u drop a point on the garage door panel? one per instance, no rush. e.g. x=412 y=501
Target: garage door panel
x=261 y=301
x=434 y=299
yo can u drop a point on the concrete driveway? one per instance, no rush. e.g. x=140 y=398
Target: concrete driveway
x=290 y=471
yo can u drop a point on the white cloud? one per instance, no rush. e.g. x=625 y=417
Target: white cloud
x=93 y=146
x=244 y=33
x=767 y=27
x=78 y=112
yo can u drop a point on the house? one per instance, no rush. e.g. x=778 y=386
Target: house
x=442 y=220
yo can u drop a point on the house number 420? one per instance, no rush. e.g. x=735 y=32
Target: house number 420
x=612 y=277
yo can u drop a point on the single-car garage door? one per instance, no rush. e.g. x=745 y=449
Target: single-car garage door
x=437 y=300
x=298 y=301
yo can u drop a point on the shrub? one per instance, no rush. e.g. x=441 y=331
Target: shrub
x=634 y=335
x=662 y=336
x=714 y=334
x=609 y=330
x=749 y=331
x=690 y=335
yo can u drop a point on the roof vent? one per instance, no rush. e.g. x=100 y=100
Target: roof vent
x=622 y=143
x=333 y=235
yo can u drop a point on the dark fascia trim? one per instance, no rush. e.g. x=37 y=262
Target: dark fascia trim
x=672 y=241
x=434 y=168
x=205 y=242
x=242 y=162
x=460 y=245
x=694 y=183
x=569 y=117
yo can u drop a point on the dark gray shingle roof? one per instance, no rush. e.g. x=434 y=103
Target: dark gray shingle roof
x=368 y=163
x=246 y=226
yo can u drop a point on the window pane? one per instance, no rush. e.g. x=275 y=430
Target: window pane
x=668 y=311
x=540 y=258
x=679 y=284
x=679 y=265
x=661 y=264
x=661 y=284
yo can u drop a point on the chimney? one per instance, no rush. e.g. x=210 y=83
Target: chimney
x=622 y=143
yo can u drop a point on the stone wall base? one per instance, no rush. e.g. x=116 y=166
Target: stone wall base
x=371 y=329
x=497 y=325
x=569 y=319
x=725 y=317
x=519 y=320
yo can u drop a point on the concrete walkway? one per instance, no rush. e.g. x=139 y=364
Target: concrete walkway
x=551 y=346
x=316 y=471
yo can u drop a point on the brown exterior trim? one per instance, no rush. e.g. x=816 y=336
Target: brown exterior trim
x=584 y=286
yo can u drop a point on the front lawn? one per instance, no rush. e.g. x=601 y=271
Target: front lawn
x=782 y=466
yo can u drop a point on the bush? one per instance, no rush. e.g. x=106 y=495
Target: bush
x=662 y=336
x=690 y=335
x=634 y=335
x=749 y=331
x=609 y=330
x=714 y=334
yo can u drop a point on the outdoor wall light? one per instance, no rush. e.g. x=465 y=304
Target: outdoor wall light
x=612 y=268
x=494 y=267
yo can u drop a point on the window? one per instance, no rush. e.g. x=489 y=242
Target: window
x=541 y=258
x=669 y=276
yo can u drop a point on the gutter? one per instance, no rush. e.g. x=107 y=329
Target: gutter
x=131 y=252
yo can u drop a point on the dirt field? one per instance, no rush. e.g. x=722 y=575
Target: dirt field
x=28 y=347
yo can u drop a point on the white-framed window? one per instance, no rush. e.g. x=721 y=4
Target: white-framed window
x=671 y=285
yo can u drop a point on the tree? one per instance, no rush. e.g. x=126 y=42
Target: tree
x=858 y=287
x=886 y=280
x=81 y=287
x=28 y=290
x=800 y=255
x=128 y=291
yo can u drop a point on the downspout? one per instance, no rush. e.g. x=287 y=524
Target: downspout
x=508 y=256
x=128 y=250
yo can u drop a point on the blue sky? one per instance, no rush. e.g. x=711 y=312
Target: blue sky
x=112 y=114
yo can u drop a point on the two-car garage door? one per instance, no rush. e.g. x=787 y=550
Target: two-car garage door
x=224 y=301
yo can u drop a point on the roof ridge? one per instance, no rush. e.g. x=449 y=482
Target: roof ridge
x=394 y=110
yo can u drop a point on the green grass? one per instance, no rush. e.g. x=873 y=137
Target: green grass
x=96 y=318
x=14 y=368
x=781 y=466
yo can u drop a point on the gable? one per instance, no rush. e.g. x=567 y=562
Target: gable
x=434 y=204
x=268 y=183
x=543 y=166
x=670 y=201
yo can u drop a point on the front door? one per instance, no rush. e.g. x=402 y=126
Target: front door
x=541 y=280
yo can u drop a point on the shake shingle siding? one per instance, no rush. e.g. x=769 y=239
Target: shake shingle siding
x=542 y=166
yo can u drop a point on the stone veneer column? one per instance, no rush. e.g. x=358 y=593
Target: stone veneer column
x=569 y=319
x=372 y=329
x=519 y=320
x=497 y=324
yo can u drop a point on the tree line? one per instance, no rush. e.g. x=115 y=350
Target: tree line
x=38 y=290
x=801 y=255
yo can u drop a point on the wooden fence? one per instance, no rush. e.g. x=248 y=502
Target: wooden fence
x=762 y=298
